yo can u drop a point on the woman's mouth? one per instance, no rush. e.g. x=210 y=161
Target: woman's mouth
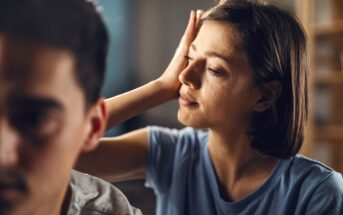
x=185 y=100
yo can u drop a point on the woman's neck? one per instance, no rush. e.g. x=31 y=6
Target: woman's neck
x=240 y=169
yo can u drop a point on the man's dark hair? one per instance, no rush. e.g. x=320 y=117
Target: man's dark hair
x=74 y=25
x=275 y=47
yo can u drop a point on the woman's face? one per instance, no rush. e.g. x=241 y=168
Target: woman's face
x=218 y=89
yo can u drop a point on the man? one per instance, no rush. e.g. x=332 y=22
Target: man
x=52 y=62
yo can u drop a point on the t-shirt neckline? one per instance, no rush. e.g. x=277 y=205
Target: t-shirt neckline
x=267 y=185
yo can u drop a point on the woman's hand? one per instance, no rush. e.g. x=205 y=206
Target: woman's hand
x=154 y=93
x=170 y=78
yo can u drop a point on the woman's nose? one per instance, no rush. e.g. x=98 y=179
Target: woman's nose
x=191 y=75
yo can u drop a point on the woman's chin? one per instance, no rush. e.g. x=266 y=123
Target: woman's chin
x=187 y=120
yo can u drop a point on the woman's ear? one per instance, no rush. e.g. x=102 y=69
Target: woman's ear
x=271 y=93
x=97 y=119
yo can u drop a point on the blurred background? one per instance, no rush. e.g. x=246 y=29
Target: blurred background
x=145 y=34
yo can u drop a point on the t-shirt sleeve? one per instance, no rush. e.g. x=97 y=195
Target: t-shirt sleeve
x=160 y=158
x=328 y=197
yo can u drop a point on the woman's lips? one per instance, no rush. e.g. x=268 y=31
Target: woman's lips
x=186 y=100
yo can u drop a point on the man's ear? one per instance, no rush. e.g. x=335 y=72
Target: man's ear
x=271 y=93
x=97 y=119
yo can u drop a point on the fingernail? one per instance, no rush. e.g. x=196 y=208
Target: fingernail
x=192 y=13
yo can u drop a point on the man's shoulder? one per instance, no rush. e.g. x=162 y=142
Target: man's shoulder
x=92 y=195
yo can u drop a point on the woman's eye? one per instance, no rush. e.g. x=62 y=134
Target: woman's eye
x=188 y=58
x=216 y=72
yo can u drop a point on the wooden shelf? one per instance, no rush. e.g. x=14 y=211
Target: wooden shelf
x=328 y=35
x=332 y=79
x=330 y=133
x=328 y=29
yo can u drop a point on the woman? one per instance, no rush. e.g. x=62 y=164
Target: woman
x=245 y=81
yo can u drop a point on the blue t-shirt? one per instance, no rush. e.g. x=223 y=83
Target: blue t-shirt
x=180 y=172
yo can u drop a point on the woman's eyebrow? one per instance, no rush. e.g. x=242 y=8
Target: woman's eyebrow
x=226 y=58
x=218 y=55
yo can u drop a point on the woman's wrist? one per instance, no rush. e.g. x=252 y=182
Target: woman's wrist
x=167 y=88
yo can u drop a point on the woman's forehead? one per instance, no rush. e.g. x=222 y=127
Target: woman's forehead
x=220 y=37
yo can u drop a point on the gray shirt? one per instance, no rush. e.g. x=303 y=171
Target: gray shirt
x=93 y=196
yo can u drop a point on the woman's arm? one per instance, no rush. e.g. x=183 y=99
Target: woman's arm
x=132 y=103
x=117 y=158
x=124 y=157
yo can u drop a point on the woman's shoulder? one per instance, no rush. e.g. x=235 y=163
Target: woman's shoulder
x=313 y=172
x=304 y=163
x=320 y=187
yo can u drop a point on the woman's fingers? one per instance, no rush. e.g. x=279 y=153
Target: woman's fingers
x=179 y=62
x=190 y=32
x=187 y=35
x=199 y=15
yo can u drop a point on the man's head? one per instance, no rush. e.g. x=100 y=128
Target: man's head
x=74 y=25
x=52 y=62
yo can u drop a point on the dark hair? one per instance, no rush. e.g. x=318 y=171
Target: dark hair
x=74 y=25
x=275 y=47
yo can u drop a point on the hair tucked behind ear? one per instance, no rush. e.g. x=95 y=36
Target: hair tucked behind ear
x=275 y=47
